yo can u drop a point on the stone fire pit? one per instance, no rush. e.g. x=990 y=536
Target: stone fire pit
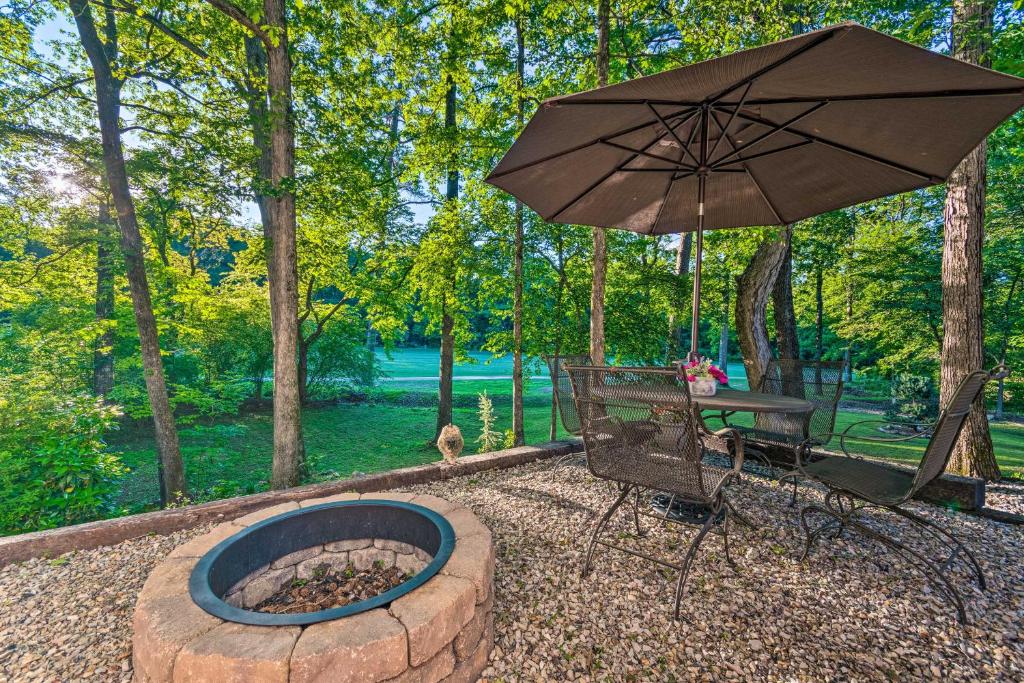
x=435 y=626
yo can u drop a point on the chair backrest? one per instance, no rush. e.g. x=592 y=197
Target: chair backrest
x=818 y=382
x=562 y=388
x=951 y=422
x=639 y=427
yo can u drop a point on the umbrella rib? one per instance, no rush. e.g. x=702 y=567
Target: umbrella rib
x=590 y=143
x=610 y=173
x=779 y=62
x=802 y=143
x=672 y=132
x=640 y=152
x=850 y=150
x=732 y=118
x=753 y=178
x=668 y=190
x=867 y=97
x=776 y=128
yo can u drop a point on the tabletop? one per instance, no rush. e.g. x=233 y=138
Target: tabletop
x=725 y=399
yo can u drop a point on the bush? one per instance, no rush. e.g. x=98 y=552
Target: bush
x=55 y=468
x=912 y=399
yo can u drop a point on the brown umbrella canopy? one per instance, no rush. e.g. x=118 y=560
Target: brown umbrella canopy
x=774 y=134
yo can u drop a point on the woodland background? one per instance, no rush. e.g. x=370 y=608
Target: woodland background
x=400 y=109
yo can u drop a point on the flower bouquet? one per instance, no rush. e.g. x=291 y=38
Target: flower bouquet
x=703 y=376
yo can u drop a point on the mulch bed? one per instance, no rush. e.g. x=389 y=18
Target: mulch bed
x=332 y=588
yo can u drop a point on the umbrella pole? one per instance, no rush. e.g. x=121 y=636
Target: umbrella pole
x=695 y=321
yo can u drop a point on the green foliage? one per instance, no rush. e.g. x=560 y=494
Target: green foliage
x=913 y=399
x=489 y=438
x=55 y=468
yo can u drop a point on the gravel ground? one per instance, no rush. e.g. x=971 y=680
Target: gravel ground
x=851 y=612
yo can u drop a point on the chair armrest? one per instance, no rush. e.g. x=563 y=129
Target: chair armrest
x=733 y=435
x=845 y=436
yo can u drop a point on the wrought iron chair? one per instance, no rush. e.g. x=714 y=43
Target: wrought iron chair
x=561 y=388
x=854 y=484
x=641 y=432
x=818 y=382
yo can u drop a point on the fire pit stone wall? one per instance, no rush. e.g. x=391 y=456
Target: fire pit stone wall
x=442 y=630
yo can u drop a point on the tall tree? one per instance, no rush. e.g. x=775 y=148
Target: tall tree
x=518 y=432
x=753 y=287
x=963 y=347
x=277 y=199
x=600 y=263
x=103 y=56
x=103 y=356
x=444 y=403
x=782 y=303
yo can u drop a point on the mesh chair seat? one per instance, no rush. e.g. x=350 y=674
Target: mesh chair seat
x=868 y=480
x=632 y=440
x=853 y=484
x=662 y=472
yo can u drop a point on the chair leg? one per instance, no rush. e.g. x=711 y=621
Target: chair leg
x=725 y=536
x=812 y=536
x=684 y=570
x=601 y=524
x=958 y=547
x=926 y=567
x=636 y=513
x=741 y=518
x=794 y=478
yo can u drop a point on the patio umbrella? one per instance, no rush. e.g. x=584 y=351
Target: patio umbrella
x=765 y=136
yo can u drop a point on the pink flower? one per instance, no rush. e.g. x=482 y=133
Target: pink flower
x=691 y=378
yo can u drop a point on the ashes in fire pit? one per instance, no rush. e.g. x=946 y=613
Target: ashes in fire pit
x=331 y=588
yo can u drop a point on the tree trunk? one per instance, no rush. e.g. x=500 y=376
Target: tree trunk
x=964 y=215
x=444 y=395
x=677 y=342
x=108 y=107
x=597 y=283
x=753 y=287
x=723 y=337
x=849 y=346
x=103 y=356
x=819 y=325
x=782 y=303
x=283 y=274
x=518 y=430
x=303 y=372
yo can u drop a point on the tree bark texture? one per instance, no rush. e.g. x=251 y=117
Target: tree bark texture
x=962 y=340
x=677 y=316
x=600 y=265
x=283 y=277
x=753 y=287
x=723 y=337
x=103 y=356
x=518 y=429
x=444 y=389
x=108 y=106
x=782 y=303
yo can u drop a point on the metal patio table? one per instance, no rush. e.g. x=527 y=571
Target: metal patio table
x=729 y=400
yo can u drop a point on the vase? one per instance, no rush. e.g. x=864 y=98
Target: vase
x=704 y=386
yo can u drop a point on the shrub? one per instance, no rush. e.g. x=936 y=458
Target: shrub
x=55 y=468
x=489 y=438
x=912 y=399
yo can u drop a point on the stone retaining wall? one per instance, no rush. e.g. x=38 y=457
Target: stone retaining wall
x=54 y=542
x=441 y=631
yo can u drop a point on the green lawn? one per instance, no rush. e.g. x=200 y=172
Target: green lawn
x=232 y=455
